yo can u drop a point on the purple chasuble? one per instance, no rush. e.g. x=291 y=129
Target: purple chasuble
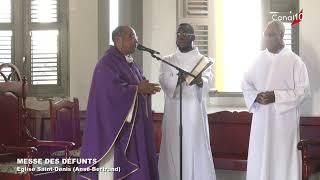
x=113 y=92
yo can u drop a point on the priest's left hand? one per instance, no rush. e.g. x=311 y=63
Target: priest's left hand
x=266 y=97
x=198 y=81
x=146 y=88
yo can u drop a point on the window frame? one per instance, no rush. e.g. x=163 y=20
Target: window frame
x=21 y=27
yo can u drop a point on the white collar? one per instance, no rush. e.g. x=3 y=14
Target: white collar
x=194 y=51
x=129 y=58
x=283 y=50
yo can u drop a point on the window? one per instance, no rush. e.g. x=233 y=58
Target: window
x=33 y=36
x=5 y=34
x=114 y=17
x=231 y=31
x=241 y=27
x=196 y=12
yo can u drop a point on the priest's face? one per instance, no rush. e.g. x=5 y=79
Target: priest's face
x=272 y=38
x=128 y=42
x=184 y=39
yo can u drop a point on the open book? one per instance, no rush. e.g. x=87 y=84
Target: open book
x=203 y=64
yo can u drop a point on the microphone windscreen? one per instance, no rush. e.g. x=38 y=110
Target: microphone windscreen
x=140 y=47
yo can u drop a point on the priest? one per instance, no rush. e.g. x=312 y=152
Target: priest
x=118 y=131
x=273 y=89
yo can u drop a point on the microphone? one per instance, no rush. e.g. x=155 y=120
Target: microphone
x=143 y=48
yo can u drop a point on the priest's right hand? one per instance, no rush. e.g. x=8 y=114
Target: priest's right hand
x=146 y=88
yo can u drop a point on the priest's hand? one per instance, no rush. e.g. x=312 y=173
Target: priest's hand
x=265 y=97
x=146 y=88
x=198 y=81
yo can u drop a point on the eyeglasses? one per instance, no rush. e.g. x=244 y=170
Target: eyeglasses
x=184 y=34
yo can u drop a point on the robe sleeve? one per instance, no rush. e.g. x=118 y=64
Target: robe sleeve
x=168 y=78
x=249 y=93
x=207 y=79
x=286 y=100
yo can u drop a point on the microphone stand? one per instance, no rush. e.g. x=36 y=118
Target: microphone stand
x=181 y=74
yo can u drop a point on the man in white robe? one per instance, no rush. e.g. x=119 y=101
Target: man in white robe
x=273 y=89
x=197 y=157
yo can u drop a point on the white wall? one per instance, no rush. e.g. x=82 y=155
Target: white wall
x=159 y=27
x=310 y=52
x=83 y=43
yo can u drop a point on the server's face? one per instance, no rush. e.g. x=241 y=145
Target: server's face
x=184 y=38
x=272 y=37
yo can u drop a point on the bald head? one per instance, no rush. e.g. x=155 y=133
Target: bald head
x=273 y=36
x=120 y=31
x=125 y=39
x=278 y=26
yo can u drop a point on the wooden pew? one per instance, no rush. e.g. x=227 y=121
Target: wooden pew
x=310 y=145
x=229 y=139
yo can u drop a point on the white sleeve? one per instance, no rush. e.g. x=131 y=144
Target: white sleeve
x=249 y=93
x=207 y=80
x=286 y=100
x=168 y=78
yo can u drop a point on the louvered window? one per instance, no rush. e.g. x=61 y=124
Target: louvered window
x=197 y=7
x=5 y=31
x=201 y=40
x=196 y=13
x=38 y=45
x=5 y=35
x=44 y=11
x=5 y=50
x=5 y=11
x=5 y=46
x=44 y=57
x=288 y=35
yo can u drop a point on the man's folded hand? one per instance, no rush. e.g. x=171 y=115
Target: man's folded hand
x=265 y=97
x=146 y=88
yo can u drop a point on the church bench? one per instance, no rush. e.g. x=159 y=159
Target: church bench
x=310 y=145
x=229 y=139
